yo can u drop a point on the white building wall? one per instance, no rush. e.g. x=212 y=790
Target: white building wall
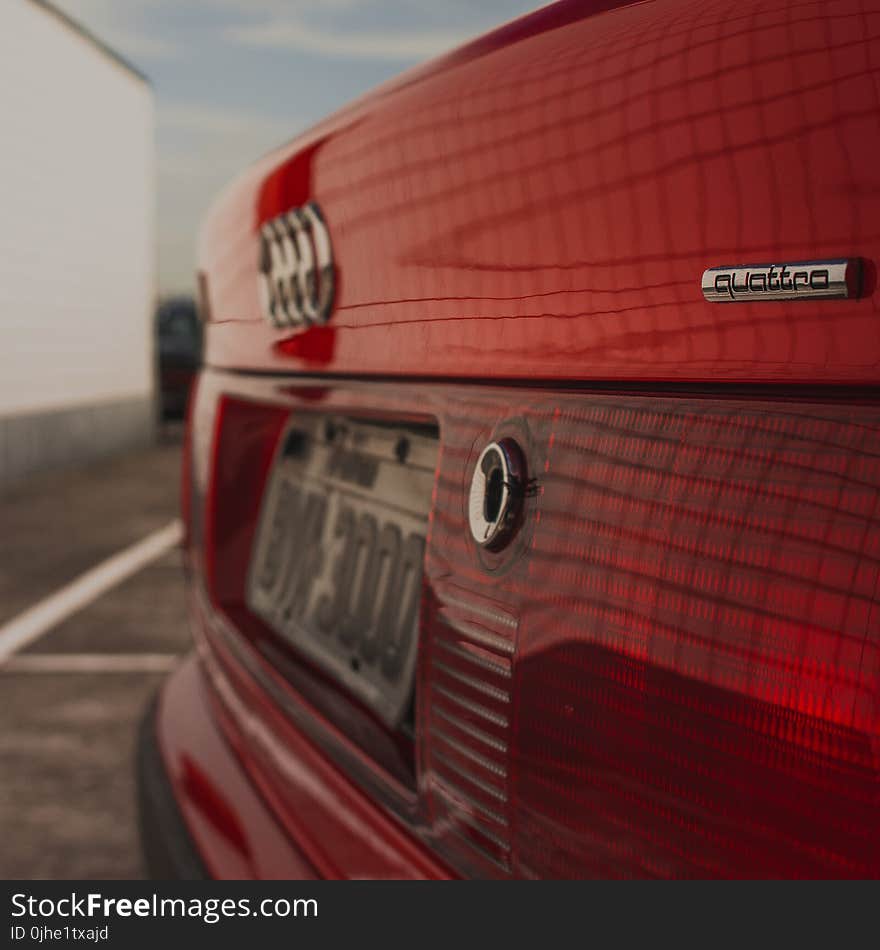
x=77 y=210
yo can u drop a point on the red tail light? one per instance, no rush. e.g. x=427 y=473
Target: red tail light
x=245 y=439
x=694 y=662
x=671 y=670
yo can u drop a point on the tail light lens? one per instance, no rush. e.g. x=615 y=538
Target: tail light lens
x=245 y=440
x=692 y=643
x=671 y=670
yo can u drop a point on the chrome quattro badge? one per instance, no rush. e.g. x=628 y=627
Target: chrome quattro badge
x=498 y=487
x=297 y=279
x=801 y=280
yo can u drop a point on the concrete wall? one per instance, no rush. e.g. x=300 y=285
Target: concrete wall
x=77 y=245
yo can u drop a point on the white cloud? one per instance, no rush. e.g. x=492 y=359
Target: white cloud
x=137 y=45
x=189 y=118
x=292 y=33
x=379 y=30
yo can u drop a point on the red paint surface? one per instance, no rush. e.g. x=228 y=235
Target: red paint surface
x=543 y=202
x=234 y=831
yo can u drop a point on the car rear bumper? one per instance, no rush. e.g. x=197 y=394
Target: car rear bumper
x=200 y=816
x=167 y=846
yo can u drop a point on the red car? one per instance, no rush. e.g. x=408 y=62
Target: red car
x=532 y=485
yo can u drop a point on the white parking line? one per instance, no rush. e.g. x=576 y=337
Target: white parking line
x=52 y=610
x=90 y=663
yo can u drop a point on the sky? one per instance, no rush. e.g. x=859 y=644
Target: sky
x=235 y=78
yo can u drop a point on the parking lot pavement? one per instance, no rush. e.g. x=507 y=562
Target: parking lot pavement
x=72 y=699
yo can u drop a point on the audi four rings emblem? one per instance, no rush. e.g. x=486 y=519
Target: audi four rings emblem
x=297 y=278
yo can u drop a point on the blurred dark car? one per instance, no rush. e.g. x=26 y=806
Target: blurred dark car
x=179 y=334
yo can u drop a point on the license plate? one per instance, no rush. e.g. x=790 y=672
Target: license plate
x=336 y=568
